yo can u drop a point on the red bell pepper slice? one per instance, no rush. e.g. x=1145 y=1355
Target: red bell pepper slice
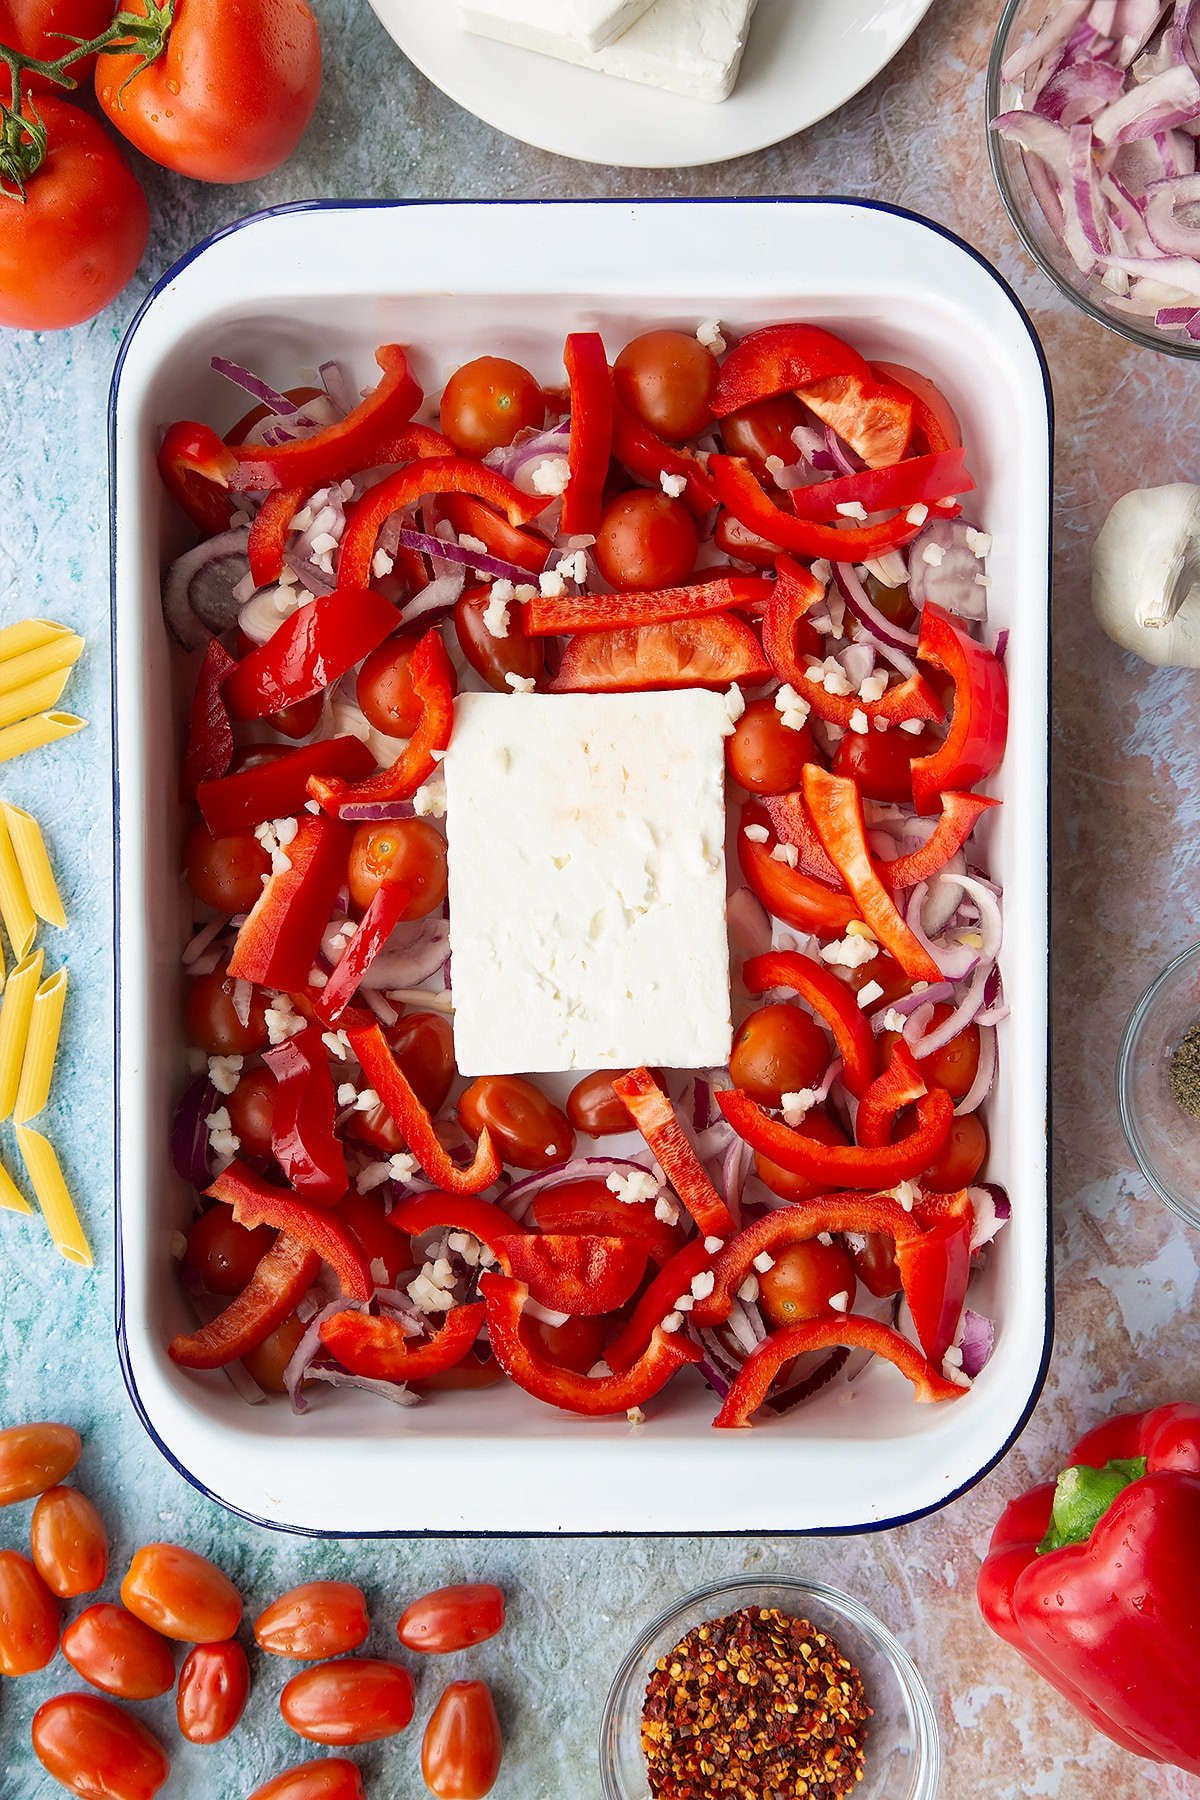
x=255 y=1202
x=710 y=652
x=303 y=1140
x=734 y=539
x=837 y=812
x=832 y=1001
x=974 y=744
x=269 y=534
x=575 y=1272
x=592 y=1395
x=654 y=1116
x=609 y=612
x=210 y=734
x=373 y=931
x=575 y=1206
x=744 y=494
x=278 y=789
x=792 y=825
x=354 y=443
x=309 y=652
x=413 y=442
x=381 y=1349
x=873 y=416
x=430 y=475
x=916 y=480
x=194 y=465
x=590 y=445
x=413 y=1122
x=844 y=1165
x=673 y=1281
x=900 y=1084
x=960 y=815
x=935 y=1267
x=650 y=457
x=798 y=898
x=778 y=359
x=763 y=1365
x=433 y=684
x=481 y=1219
x=279 y=1283
x=934 y=419
x=278 y=944
x=472 y=517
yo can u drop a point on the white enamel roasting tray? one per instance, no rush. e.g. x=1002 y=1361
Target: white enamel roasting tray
x=286 y=290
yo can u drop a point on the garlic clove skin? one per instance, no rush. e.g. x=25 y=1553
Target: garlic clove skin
x=1146 y=574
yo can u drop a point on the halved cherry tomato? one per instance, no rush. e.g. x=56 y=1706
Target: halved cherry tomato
x=384 y=686
x=594 y=1109
x=332 y=1778
x=250 y=1108
x=784 y=1182
x=462 y=1749
x=452 y=1618
x=69 y=1543
x=803 y=1281
x=961 y=1158
x=226 y=873
x=708 y=652
x=764 y=755
x=181 y=1594
x=411 y=850
x=211 y=1021
x=34 y=1458
x=118 y=1654
x=223 y=1253
x=28 y=1617
x=214 y=1686
x=876 y=1267
x=578 y=1344
x=880 y=762
x=268 y=1360
x=764 y=430
x=646 y=540
x=667 y=379
x=386 y=1249
x=528 y=1130
x=358 y=1700
x=495 y=658
x=955 y=1065
x=316 y=1620
x=778 y=1050
x=486 y=403
x=98 y=1750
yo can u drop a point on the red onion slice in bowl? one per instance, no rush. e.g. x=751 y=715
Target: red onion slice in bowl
x=189 y=1133
x=449 y=551
x=859 y=602
x=198 y=589
x=976 y=1341
x=949 y=574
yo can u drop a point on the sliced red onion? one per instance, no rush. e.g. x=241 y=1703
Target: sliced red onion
x=310 y=1346
x=383 y=1009
x=993 y=1210
x=859 y=602
x=976 y=1340
x=199 y=943
x=409 y=965
x=260 y=618
x=198 y=589
x=315 y=580
x=1166 y=100
x=745 y=1326
x=262 y=390
x=387 y=1390
x=985 y=1074
x=240 y=1000
x=451 y=552
x=857 y=661
x=736 y=1166
x=521 y=1195
x=1077 y=91
x=189 y=1133
x=830 y=1365
x=1057 y=29
x=527 y=448
x=1172 y=233
x=434 y=602
x=845 y=460
x=953 y=582
x=373 y=812
x=936 y=994
x=719 y=1382
x=1001 y=650
x=954 y=960
x=701 y=1103
x=890 y=569
x=336 y=386
x=748 y=922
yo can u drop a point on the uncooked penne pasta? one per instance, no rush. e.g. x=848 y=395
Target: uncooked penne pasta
x=37 y=696
x=33 y=861
x=15 y=1011
x=30 y=634
x=11 y=1197
x=53 y=1196
x=31 y=734
x=41 y=1047
x=46 y=659
x=20 y=920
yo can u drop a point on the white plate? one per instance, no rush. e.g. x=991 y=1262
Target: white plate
x=804 y=59
x=284 y=292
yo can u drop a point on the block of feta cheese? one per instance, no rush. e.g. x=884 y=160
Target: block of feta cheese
x=690 y=47
x=546 y=25
x=587 y=881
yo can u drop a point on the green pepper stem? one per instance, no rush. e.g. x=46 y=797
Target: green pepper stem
x=1082 y=1496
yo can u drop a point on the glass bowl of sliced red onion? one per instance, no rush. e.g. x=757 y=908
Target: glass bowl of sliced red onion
x=1094 y=119
x=1155 y=1103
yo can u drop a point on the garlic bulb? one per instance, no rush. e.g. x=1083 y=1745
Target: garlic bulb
x=1146 y=574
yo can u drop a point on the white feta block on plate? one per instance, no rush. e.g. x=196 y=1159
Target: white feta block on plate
x=587 y=881
x=547 y=25
x=690 y=47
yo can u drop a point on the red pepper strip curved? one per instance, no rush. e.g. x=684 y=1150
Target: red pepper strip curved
x=761 y=1367
x=373 y=931
x=916 y=480
x=256 y=1202
x=352 y=444
x=413 y=441
x=837 y=812
x=650 y=457
x=933 y=416
x=309 y=652
x=481 y=1219
x=710 y=652
x=844 y=1165
x=430 y=475
x=475 y=518
x=960 y=815
x=413 y=1122
x=777 y=360
x=830 y=998
x=673 y=1280
x=577 y=1272
x=609 y=612
x=899 y=1085
x=269 y=534
x=777 y=1231
x=278 y=944
x=654 y=1116
x=792 y=825
x=975 y=742
x=210 y=734
x=279 y=788
x=591 y=1395
x=433 y=684
x=800 y=900
x=590 y=445
x=874 y=417
x=381 y=1349
x=303 y=1140
x=935 y=1267
x=195 y=466
x=281 y=1280
x=731 y=536
x=743 y=493
x=561 y=1209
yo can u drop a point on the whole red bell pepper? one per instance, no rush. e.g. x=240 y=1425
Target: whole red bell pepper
x=935 y=1267
x=610 y=612
x=372 y=932
x=1092 y=1579
x=974 y=744
x=209 y=749
x=381 y=1349
x=303 y=1140
x=311 y=650
x=413 y=1122
x=748 y=500
x=672 y=1282
x=654 y=1116
x=279 y=1283
x=481 y=1219
x=255 y=1202
x=800 y=899
x=650 y=457
x=590 y=444
x=763 y=1365
x=843 y=1165
x=278 y=944
x=916 y=480
x=778 y=359
x=278 y=789
x=960 y=815
x=433 y=684
x=428 y=476
x=873 y=414
x=576 y=1272
x=830 y=999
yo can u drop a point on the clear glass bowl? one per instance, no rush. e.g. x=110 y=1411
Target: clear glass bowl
x=1164 y=1139
x=903 y=1750
x=1019 y=20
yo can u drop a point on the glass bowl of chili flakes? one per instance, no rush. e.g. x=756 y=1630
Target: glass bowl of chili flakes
x=1158 y=1084
x=768 y=1678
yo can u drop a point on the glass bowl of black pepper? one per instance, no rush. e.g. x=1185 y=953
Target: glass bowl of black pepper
x=1158 y=1084
x=740 y=1685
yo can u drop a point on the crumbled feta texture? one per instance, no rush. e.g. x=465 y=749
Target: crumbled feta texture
x=595 y=936
x=893 y=1020
x=932 y=554
x=381 y=564
x=665 y=1211
x=573 y=567
x=905 y=1194
x=859 y=722
x=347 y=1094
x=712 y=337
x=520 y=684
x=979 y=542
x=551 y=585
x=840 y=1302
x=796 y=1106
x=749 y=1290
x=495 y=613
x=703 y=1284
x=735 y=706
x=283 y=1021
x=852 y=509
x=786 y=853
x=849 y=952
x=224 y=1072
x=429 y=801
x=764 y=1262
x=672 y=1322
x=636 y=1416
x=917 y=515
x=684 y=1303
x=868 y=995
x=302 y=520
x=672 y=485
x=914 y=727
x=550 y=476
x=758 y=834
x=873 y=687
x=830 y=675
x=632 y=1188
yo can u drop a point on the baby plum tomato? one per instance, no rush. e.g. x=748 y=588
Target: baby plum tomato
x=118 y=1654
x=34 y=1458
x=267 y=1361
x=366 y=1216
x=593 y=1108
x=764 y=429
x=667 y=379
x=880 y=762
x=98 y=1750
x=646 y=540
x=358 y=1700
x=953 y=1067
x=69 y=1543
x=528 y=1130
x=223 y=1253
x=961 y=1158
x=28 y=1617
x=462 y=1748
x=423 y=1045
x=486 y=403
x=764 y=755
x=875 y=1265
x=332 y=1778
x=412 y=850
x=225 y=873
x=452 y=1618
x=250 y=1107
x=313 y=1621
x=384 y=687
x=494 y=659
x=182 y=1595
x=805 y=1278
x=214 y=1686
x=299 y=720
x=778 y=1050
x=784 y=1182
x=578 y=1344
x=886 y=972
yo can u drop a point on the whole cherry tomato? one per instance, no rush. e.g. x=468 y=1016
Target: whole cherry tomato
x=386 y=1249
x=763 y=754
x=357 y=1700
x=181 y=1594
x=778 y=1050
x=214 y=1686
x=97 y=1749
x=462 y=1748
x=211 y=1020
x=875 y=1265
x=784 y=1182
x=423 y=1045
x=495 y=658
x=225 y=873
x=317 y=1619
x=223 y=1253
x=250 y=1110
x=804 y=1280
x=69 y=1543
x=452 y=1618
x=230 y=97
x=886 y=973
x=118 y=1654
x=667 y=379
x=594 y=1109
x=528 y=1130
x=413 y=850
x=486 y=403
x=961 y=1157
x=881 y=761
x=332 y=1778
x=576 y=1344
x=41 y=28
x=34 y=1458
x=646 y=540
x=764 y=430
x=384 y=687
x=267 y=1361
x=28 y=1617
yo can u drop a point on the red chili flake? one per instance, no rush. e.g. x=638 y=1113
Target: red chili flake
x=757 y=1706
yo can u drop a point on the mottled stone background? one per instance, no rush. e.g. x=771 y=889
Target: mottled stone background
x=1126 y=896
